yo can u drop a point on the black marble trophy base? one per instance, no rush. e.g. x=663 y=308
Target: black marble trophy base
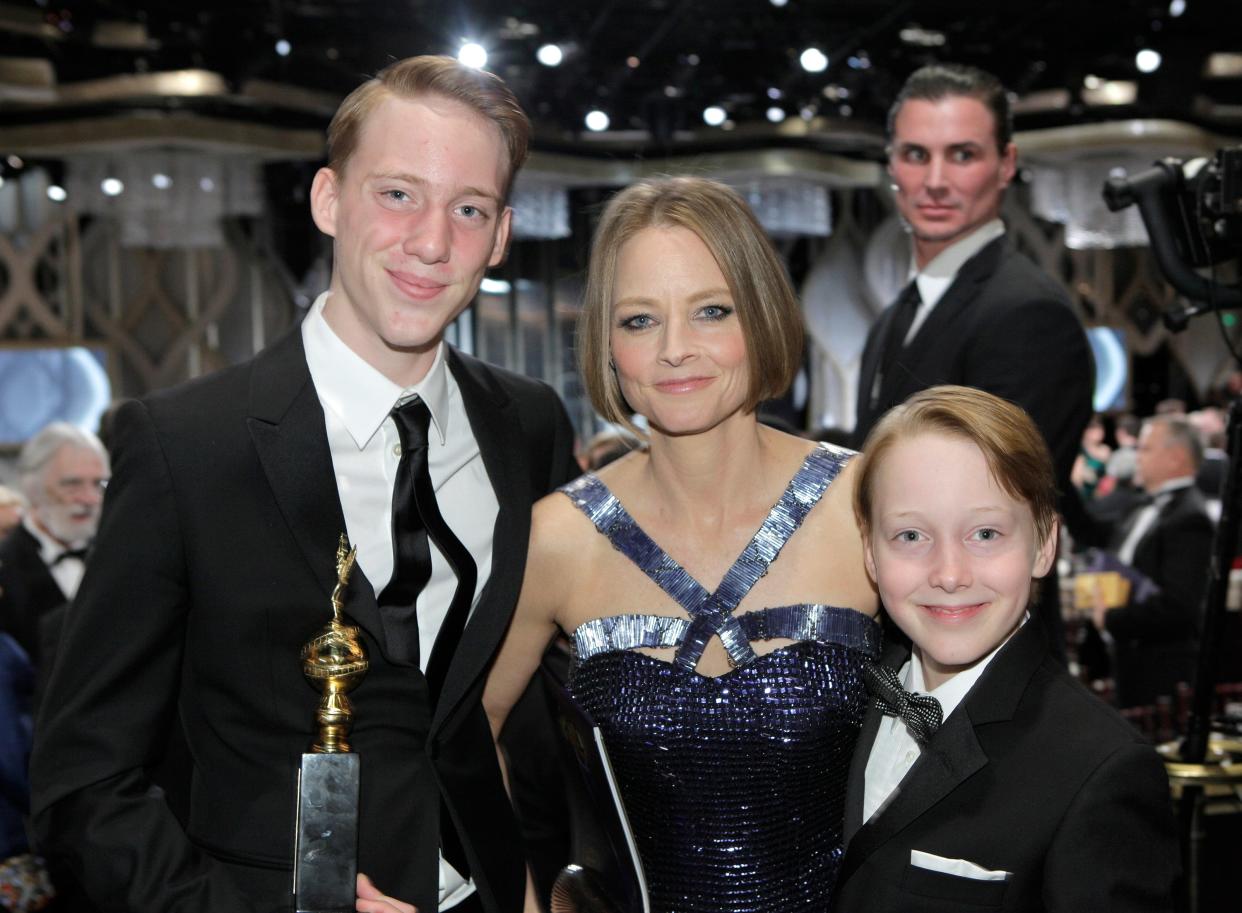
x=325 y=854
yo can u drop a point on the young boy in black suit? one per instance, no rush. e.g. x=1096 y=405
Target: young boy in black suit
x=1031 y=794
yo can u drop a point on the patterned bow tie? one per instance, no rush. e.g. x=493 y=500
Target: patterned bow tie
x=920 y=712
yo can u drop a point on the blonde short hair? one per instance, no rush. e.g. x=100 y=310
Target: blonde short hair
x=483 y=92
x=767 y=307
x=1011 y=444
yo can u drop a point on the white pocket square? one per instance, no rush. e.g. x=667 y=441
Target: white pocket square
x=963 y=868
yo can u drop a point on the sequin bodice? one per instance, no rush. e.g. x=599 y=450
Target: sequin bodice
x=734 y=785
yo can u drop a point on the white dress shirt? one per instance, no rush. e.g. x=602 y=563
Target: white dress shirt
x=894 y=750
x=366 y=450
x=67 y=572
x=935 y=278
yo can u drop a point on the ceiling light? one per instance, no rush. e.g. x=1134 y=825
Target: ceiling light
x=15 y=161
x=1091 y=81
x=714 y=115
x=550 y=55
x=597 y=121
x=779 y=2
x=56 y=193
x=1147 y=60
x=813 y=60
x=161 y=181
x=112 y=187
x=775 y=94
x=632 y=62
x=206 y=185
x=693 y=60
x=283 y=47
x=473 y=55
x=775 y=114
x=1177 y=7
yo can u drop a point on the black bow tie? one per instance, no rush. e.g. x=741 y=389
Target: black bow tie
x=79 y=553
x=920 y=712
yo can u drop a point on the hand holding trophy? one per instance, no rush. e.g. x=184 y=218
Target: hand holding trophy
x=325 y=862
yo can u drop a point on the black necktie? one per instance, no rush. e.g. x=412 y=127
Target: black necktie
x=899 y=324
x=415 y=516
x=920 y=712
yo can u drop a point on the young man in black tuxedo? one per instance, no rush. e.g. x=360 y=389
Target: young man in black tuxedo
x=216 y=553
x=1006 y=785
x=975 y=312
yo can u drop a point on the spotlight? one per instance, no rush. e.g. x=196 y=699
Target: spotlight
x=56 y=193
x=1177 y=7
x=112 y=187
x=775 y=114
x=161 y=181
x=283 y=47
x=597 y=121
x=714 y=115
x=1147 y=60
x=775 y=94
x=473 y=55
x=206 y=185
x=813 y=60
x=550 y=55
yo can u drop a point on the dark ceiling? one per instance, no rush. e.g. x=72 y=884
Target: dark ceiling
x=654 y=65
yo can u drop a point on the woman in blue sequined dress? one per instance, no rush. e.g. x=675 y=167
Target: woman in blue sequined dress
x=712 y=584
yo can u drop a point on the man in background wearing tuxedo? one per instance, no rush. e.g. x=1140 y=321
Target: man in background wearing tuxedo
x=215 y=558
x=975 y=312
x=63 y=471
x=1168 y=540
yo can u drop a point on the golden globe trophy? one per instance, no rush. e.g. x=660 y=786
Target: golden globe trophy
x=325 y=860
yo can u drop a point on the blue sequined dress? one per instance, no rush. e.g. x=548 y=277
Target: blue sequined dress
x=734 y=785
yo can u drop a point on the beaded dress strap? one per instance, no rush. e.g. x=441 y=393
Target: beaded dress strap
x=712 y=613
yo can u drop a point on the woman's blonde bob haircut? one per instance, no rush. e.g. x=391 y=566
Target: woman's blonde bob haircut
x=1011 y=444
x=765 y=303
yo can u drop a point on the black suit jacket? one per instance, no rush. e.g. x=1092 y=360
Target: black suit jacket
x=28 y=591
x=1003 y=326
x=1156 y=639
x=214 y=563
x=1030 y=775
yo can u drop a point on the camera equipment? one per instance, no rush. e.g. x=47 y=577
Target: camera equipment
x=1193 y=215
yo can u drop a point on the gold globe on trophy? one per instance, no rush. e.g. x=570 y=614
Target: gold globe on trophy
x=335 y=661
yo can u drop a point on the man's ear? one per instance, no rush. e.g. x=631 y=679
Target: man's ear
x=325 y=191
x=1008 y=164
x=1046 y=553
x=500 y=247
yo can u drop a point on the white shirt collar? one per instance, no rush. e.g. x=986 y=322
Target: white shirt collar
x=935 y=278
x=1173 y=485
x=359 y=395
x=49 y=549
x=951 y=692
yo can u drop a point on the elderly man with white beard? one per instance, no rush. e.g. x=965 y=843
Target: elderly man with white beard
x=63 y=470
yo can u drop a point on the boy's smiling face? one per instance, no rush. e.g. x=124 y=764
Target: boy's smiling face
x=951 y=552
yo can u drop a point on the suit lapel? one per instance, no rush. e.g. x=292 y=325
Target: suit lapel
x=855 y=786
x=286 y=424
x=498 y=430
